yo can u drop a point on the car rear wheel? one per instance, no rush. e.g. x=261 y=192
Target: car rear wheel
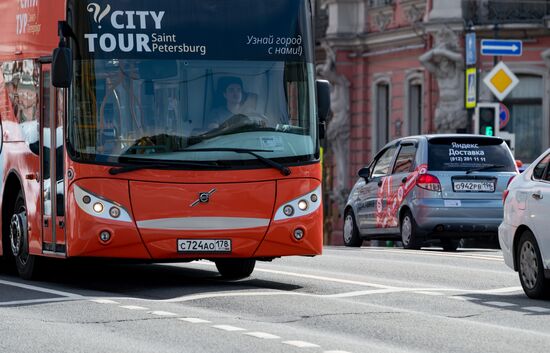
x=351 y=233
x=235 y=268
x=408 y=231
x=530 y=267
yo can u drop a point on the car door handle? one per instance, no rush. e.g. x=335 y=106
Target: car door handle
x=537 y=195
x=404 y=180
x=379 y=183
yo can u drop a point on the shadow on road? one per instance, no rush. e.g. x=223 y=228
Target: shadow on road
x=518 y=303
x=143 y=281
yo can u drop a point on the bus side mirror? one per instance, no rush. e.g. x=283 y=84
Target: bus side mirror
x=323 y=99
x=323 y=104
x=62 y=67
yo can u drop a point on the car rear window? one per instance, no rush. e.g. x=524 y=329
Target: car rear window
x=462 y=154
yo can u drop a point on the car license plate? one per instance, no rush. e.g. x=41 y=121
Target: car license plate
x=474 y=186
x=204 y=245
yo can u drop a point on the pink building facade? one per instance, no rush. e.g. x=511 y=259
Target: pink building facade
x=398 y=69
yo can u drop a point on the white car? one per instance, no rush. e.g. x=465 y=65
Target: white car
x=524 y=234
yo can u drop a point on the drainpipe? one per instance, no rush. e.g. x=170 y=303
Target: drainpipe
x=430 y=81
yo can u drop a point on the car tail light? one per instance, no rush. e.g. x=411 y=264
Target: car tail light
x=506 y=192
x=428 y=182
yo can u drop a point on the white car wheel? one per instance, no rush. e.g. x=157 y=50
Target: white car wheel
x=530 y=267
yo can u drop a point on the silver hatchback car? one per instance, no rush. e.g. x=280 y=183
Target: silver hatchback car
x=430 y=187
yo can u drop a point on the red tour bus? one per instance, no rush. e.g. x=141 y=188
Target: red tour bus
x=183 y=130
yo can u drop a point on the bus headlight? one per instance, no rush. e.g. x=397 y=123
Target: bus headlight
x=300 y=206
x=114 y=212
x=100 y=207
x=288 y=210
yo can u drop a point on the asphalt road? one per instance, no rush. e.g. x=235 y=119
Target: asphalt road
x=348 y=300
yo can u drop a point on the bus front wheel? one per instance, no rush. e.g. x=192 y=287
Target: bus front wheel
x=19 y=240
x=235 y=268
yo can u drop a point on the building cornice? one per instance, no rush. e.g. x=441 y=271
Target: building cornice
x=375 y=40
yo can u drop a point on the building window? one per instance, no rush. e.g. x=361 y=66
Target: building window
x=382 y=114
x=499 y=11
x=526 y=118
x=380 y=3
x=414 y=107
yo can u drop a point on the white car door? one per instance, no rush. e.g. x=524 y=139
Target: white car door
x=538 y=204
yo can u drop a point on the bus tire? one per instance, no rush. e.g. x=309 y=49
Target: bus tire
x=235 y=268
x=25 y=263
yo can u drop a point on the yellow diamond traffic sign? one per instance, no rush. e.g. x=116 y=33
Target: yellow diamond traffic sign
x=501 y=81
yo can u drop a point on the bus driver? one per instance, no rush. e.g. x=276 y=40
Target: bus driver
x=236 y=101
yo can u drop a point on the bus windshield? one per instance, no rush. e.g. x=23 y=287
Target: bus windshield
x=143 y=89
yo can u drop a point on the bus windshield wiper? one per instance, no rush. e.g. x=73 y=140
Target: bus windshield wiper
x=159 y=165
x=490 y=166
x=283 y=169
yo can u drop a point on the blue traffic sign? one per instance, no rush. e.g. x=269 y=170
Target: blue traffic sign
x=470 y=48
x=501 y=47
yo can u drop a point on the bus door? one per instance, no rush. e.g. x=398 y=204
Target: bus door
x=52 y=165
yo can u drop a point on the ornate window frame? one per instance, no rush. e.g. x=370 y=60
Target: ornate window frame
x=377 y=142
x=413 y=77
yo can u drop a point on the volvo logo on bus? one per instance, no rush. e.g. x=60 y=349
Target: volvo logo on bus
x=204 y=197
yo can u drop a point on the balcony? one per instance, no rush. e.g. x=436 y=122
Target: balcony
x=487 y=12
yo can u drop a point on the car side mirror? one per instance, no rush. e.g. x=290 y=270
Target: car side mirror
x=364 y=173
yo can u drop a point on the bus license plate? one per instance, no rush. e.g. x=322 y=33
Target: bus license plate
x=204 y=245
x=474 y=186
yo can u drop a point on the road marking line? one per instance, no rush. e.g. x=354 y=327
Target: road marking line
x=162 y=313
x=336 y=352
x=228 y=328
x=359 y=293
x=133 y=307
x=194 y=320
x=104 y=301
x=224 y=295
x=536 y=309
x=500 y=304
x=460 y=297
x=301 y=344
x=264 y=335
x=427 y=293
x=41 y=289
x=359 y=283
x=432 y=253
x=37 y=301
x=323 y=278
x=497 y=290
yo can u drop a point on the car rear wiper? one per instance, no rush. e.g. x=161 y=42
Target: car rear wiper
x=490 y=166
x=284 y=170
x=160 y=165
